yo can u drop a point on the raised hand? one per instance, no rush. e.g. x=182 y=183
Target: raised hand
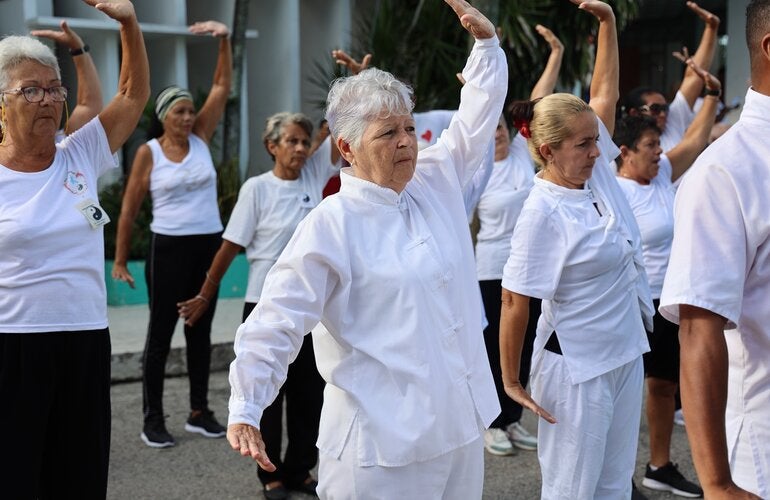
x=472 y=20
x=521 y=396
x=65 y=37
x=344 y=59
x=247 y=440
x=213 y=28
x=549 y=37
x=600 y=10
x=710 y=19
x=119 y=10
x=710 y=81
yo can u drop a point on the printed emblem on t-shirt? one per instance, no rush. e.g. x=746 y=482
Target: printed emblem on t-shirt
x=94 y=214
x=306 y=200
x=427 y=135
x=76 y=182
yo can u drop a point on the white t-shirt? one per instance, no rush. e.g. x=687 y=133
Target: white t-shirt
x=499 y=208
x=269 y=209
x=390 y=275
x=575 y=249
x=184 y=194
x=720 y=261
x=680 y=116
x=52 y=264
x=653 y=207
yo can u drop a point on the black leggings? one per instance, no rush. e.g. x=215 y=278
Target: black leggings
x=303 y=392
x=491 y=294
x=175 y=270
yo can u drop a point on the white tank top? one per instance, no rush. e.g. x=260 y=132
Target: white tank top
x=184 y=194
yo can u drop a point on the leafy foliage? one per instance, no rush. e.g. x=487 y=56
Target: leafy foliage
x=421 y=42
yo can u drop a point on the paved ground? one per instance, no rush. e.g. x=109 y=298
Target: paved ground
x=200 y=468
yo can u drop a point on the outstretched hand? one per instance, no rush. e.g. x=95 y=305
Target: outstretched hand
x=247 y=440
x=710 y=81
x=472 y=20
x=344 y=59
x=710 y=19
x=65 y=37
x=213 y=28
x=119 y=10
x=600 y=10
x=549 y=37
x=521 y=396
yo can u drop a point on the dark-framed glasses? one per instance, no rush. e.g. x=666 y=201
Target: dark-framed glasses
x=654 y=109
x=37 y=94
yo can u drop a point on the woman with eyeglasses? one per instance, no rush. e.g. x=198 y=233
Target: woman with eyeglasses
x=54 y=340
x=647 y=176
x=176 y=168
x=674 y=118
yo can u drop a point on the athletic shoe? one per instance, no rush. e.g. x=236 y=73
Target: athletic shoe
x=520 y=437
x=679 y=417
x=155 y=435
x=205 y=423
x=668 y=478
x=496 y=442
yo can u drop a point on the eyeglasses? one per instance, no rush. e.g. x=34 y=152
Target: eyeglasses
x=654 y=109
x=37 y=94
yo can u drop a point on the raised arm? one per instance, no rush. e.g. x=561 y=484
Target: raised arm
x=89 y=98
x=214 y=107
x=697 y=135
x=605 y=83
x=692 y=83
x=136 y=189
x=122 y=113
x=514 y=316
x=547 y=81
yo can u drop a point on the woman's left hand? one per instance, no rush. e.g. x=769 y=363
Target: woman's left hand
x=192 y=309
x=247 y=440
x=214 y=28
x=119 y=10
x=600 y=10
x=472 y=20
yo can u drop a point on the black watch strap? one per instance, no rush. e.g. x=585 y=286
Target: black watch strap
x=82 y=50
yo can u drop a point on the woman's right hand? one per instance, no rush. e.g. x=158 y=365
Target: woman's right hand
x=600 y=10
x=549 y=37
x=192 y=309
x=247 y=440
x=121 y=273
x=119 y=10
x=517 y=393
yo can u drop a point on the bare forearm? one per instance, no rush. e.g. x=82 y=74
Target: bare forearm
x=222 y=260
x=547 y=81
x=514 y=316
x=223 y=74
x=605 y=82
x=704 y=368
x=695 y=139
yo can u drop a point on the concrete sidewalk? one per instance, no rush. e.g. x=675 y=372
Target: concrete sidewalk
x=128 y=331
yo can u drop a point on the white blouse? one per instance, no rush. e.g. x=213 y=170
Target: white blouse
x=391 y=277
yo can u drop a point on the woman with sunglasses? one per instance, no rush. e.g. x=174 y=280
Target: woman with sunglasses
x=674 y=118
x=54 y=340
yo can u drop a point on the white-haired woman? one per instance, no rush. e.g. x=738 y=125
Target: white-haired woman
x=54 y=340
x=576 y=247
x=176 y=168
x=269 y=208
x=386 y=265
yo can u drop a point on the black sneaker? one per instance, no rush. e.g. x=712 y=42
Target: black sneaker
x=154 y=434
x=205 y=423
x=668 y=478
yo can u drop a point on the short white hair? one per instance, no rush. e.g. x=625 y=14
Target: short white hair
x=14 y=50
x=356 y=101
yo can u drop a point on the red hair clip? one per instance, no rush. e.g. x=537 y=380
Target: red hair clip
x=523 y=126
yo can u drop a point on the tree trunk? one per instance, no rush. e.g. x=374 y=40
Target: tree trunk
x=232 y=123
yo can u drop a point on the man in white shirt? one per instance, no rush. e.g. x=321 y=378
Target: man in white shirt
x=718 y=278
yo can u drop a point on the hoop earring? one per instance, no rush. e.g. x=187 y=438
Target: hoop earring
x=66 y=118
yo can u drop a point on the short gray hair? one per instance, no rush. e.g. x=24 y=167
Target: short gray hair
x=274 y=126
x=356 y=101
x=14 y=50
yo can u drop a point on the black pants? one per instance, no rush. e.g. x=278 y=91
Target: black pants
x=175 y=270
x=55 y=417
x=491 y=295
x=303 y=392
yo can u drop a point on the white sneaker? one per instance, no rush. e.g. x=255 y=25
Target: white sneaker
x=496 y=442
x=679 y=417
x=520 y=437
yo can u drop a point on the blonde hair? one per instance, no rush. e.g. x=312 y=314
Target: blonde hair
x=550 y=121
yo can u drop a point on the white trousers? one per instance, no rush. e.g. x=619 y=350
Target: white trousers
x=457 y=475
x=591 y=452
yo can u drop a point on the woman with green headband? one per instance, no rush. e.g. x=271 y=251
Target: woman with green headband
x=176 y=168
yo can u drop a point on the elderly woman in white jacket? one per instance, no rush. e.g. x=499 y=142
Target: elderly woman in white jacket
x=386 y=265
